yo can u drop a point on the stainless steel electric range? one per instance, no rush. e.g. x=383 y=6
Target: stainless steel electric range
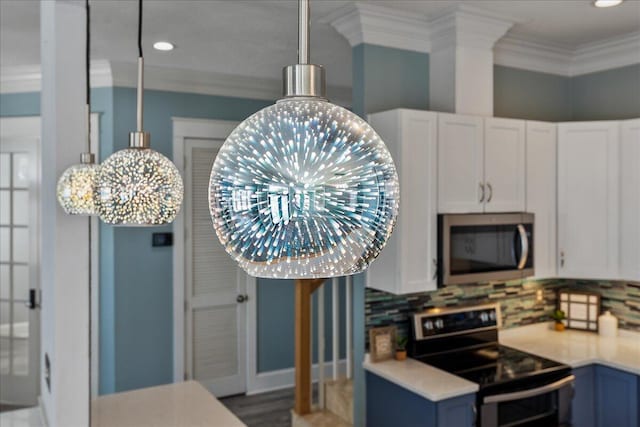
x=515 y=388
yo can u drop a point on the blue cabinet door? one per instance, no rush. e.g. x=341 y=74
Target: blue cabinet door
x=583 y=410
x=389 y=405
x=616 y=398
x=457 y=411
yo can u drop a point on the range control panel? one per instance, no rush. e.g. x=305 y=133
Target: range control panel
x=439 y=322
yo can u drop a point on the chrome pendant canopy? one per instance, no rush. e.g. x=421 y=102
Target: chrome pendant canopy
x=303 y=188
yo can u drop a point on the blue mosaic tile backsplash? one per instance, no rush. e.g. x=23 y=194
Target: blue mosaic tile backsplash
x=517 y=299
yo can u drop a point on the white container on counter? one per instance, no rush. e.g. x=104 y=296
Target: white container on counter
x=608 y=325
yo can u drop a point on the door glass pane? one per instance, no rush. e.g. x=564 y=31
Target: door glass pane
x=20 y=339
x=5 y=207
x=5 y=341
x=21 y=282
x=21 y=207
x=4 y=282
x=20 y=245
x=20 y=170
x=4 y=244
x=5 y=169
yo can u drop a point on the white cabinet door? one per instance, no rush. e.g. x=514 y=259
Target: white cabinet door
x=630 y=200
x=588 y=186
x=541 y=194
x=504 y=165
x=408 y=262
x=460 y=163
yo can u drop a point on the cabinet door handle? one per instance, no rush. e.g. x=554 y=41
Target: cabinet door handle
x=481 y=192
x=490 y=192
x=562 y=259
x=435 y=269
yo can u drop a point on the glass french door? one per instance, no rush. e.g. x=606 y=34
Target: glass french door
x=19 y=320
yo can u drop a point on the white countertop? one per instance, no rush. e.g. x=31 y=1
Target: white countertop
x=424 y=380
x=186 y=404
x=576 y=348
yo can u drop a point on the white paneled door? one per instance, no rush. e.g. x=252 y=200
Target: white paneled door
x=19 y=324
x=215 y=293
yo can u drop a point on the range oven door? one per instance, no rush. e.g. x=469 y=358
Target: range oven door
x=547 y=405
x=485 y=247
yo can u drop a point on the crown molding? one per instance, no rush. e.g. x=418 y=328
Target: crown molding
x=468 y=26
x=121 y=74
x=516 y=52
x=519 y=52
x=607 y=54
x=367 y=23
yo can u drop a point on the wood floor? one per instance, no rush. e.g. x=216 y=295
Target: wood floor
x=272 y=409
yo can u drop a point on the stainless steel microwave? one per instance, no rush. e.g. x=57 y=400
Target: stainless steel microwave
x=484 y=247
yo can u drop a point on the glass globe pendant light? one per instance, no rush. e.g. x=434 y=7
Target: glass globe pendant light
x=137 y=185
x=304 y=188
x=76 y=189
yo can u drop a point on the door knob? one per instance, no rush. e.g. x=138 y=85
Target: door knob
x=242 y=298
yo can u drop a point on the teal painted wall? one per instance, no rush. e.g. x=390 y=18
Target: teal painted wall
x=20 y=104
x=524 y=94
x=607 y=95
x=393 y=78
x=275 y=324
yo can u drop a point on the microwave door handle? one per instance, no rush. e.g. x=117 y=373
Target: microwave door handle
x=524 y=247
x=507 y=397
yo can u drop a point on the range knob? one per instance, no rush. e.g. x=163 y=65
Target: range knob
x=492 y=315
x=428 y=325
x=484 y=317
x=439 y=324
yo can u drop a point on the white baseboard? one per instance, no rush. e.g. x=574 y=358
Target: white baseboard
x=284 y=378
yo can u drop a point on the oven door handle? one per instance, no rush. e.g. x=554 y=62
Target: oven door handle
x=507 y=397
x=524 y=247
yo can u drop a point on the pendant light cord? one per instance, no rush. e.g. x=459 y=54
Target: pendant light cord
x=140 y=28
x=87 y=68
x=139 y=110
x=303 y=31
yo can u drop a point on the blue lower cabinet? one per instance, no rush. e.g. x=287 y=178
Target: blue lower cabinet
x=583 y=410
x=617 y=398
x=390 y=405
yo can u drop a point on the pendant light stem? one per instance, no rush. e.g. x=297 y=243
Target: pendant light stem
x=139 y=109
x=303 y=31
x=87 y=74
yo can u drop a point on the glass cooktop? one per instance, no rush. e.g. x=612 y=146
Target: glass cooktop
x=492 y=364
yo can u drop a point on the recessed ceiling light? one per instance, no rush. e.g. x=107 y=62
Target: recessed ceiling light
x=164 y=46
x=607 y=3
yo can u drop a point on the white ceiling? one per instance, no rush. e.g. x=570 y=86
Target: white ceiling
x=257 y=38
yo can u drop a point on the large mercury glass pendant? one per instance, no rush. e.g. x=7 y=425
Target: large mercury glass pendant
x=304 y=188
x=76 y=188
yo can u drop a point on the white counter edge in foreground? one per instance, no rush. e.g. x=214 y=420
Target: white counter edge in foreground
x=424 y=380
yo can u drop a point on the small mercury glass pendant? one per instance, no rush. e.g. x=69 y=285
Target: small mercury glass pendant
x=76 y=190
x=303 y=188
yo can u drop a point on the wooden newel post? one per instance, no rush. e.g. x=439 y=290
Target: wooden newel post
x=304 y=290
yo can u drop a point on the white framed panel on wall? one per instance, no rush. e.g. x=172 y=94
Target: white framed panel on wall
x=630 y=200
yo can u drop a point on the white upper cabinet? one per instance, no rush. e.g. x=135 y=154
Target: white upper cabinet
x=588 y=200
x=460 y=164
x=630 y=200
x=408 y=263
x=481 y=164
x=504 y=165
x=541 y=193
